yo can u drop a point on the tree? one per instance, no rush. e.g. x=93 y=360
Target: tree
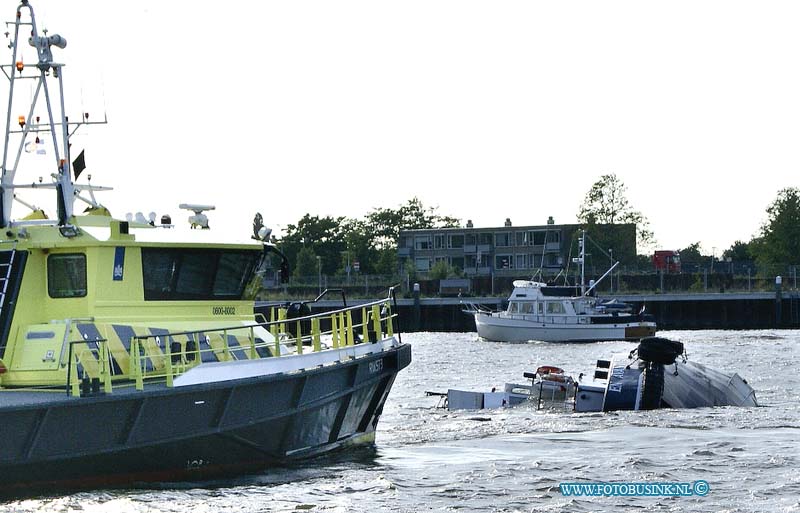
x=322 y=235
x=441 y=270
x=779 y=242
x=691 y=254
x=738 y=252
x=387 y=262
x=306 y=263
x=384 y=224
x=371 y=241
x=606 y=203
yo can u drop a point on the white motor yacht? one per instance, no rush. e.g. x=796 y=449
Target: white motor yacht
x=538 y=311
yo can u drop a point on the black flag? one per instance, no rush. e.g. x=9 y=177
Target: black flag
x=79 y=164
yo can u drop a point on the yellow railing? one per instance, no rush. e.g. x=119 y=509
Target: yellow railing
x=165 y=356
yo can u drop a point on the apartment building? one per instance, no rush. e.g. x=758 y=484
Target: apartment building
x=513 y=250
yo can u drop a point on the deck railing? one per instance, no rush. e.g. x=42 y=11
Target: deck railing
x=164 y=356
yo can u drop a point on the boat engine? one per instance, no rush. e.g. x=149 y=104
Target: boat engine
x=295 y=311
x=656 y=352
x=659 y=350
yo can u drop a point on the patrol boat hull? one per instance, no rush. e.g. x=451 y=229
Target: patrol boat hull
x=55 y=441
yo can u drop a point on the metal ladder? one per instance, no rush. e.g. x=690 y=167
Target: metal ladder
x=5 y=274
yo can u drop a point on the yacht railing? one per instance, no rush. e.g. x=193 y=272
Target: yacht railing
x=550 y=319
x=93 y=366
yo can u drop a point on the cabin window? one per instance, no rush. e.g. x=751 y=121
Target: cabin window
x=196 y=274
x=527 y=308
x=66 y=275
x=555 y=307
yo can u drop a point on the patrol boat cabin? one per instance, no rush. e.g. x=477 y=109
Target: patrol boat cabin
x=104 y=284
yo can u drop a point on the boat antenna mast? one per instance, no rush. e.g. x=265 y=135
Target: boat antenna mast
x=582 y=260
x=56 y=124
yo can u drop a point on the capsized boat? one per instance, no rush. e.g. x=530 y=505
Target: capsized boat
x=549 y=313
x=130 y=352
x=657 y=374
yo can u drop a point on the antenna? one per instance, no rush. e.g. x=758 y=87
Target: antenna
x=199 y=219
x=47 y=79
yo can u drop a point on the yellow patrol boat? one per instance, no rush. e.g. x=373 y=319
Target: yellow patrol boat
x=129 y=356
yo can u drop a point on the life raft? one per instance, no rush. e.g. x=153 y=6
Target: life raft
x=549 y=369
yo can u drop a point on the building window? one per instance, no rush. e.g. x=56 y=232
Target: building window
x=439 y=241
x=552 y=260
x=66 y=275
x=456 y=241
x=485 y=239
x=470 y=239
x=422 y=242
x=539 y=237
x=521 y=262
x=522 y=238
x=422 y=264
x=503 y=262
x=502 y=240
x=457 y=263
x=472 y=262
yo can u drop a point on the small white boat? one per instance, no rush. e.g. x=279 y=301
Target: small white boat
x=538 y=311
x=549 y=386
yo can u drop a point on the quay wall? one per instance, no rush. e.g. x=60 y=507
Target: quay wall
x=749 y=310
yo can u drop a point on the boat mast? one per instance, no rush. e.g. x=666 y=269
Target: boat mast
x=583 y=262
x=62 y=181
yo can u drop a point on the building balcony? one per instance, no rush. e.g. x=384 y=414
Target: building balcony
x=478 y=271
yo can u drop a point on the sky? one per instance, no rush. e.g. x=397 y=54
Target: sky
x=485 y=110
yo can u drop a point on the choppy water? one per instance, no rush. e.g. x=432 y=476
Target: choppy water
x=513 y=460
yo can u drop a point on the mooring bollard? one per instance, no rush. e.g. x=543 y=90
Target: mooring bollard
x=417 y=313
x=778 y=301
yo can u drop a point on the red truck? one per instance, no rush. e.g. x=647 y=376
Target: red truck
x=667 y=261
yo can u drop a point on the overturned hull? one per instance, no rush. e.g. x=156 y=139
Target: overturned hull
x=54 y=441
x=657 y=375
x=692 y=385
